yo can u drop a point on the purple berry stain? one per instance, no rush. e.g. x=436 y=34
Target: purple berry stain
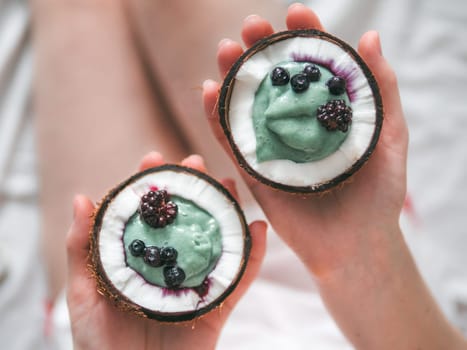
x=346 y=72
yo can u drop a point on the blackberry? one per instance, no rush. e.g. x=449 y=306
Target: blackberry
x=137 y=247
x=299 y=82
x=336 y=85
x=280 y=76
x=152 y=256
x=312 y=72
x=335 y=115
x=169 y=255
x=173 y=276
x=157 y=210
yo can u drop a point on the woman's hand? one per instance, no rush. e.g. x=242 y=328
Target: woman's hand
x=97 y=324
x=349 y=238
x=328 y=231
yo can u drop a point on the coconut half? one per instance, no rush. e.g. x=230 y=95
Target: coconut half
x=177 y=270
x=271 y=121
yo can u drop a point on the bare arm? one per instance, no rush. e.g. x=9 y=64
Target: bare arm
x=178 y=38
x=95 y=111
x=350 y=238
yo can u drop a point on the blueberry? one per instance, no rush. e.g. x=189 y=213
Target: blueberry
x=279 y=76
x=336 y=85
x=312 y=72
x=169 y=255
x=299 y=82
x=173 y=276
x=152 y=256
x=137 y=247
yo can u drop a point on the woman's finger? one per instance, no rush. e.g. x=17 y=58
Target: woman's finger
x=231 y=186
x=394 y=126
x=258 y=248
x=77 y=243
x=301 y=17
x=228 y=51
x=150 y=160
x=195 y=161
x=254 y=29
x=210 y=98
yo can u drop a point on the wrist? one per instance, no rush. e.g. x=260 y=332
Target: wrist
x=337 y=255
x=380 y=300
x=372 y=262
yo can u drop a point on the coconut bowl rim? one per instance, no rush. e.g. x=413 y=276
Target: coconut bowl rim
x=105 y=285
x=228 y=86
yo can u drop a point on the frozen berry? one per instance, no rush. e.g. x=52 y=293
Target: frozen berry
x=203 y=289
x=312 y=72
x=173 y=276
x=336 y=85
x=157 y=210
x=152 y=256
x=137 y=247
x=169 y=255
x=335 y=115
x=299 y=82
x=280 y=76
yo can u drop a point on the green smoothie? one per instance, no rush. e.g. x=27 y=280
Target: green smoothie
x=285 y=121
x=195 y=234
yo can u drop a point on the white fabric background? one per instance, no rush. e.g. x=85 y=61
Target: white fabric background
x=425 y=42
x=22 y=290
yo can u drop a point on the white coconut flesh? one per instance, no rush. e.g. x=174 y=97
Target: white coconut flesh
x=240 y=109
x=130 y=283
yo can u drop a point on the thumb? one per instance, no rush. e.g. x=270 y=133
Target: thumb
x=394 y=126
x=77 y=243
x=258 y=250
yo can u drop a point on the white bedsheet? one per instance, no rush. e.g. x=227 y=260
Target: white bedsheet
x=22 y=289
x=424 y=40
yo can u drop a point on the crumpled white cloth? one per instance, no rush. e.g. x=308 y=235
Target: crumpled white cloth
x=22 y=288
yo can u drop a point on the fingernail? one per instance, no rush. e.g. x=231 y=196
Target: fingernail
x=223 y=42
x=154 y=155
x=208 y=83
x=196 y=159
x=229 y=182
x=378 y=44
x=296 y=5
x=76 y=201
x=251 y=18
x=261 y=223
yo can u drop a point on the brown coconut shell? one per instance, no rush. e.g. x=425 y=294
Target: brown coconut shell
x=229 y=84
x=104 y=283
